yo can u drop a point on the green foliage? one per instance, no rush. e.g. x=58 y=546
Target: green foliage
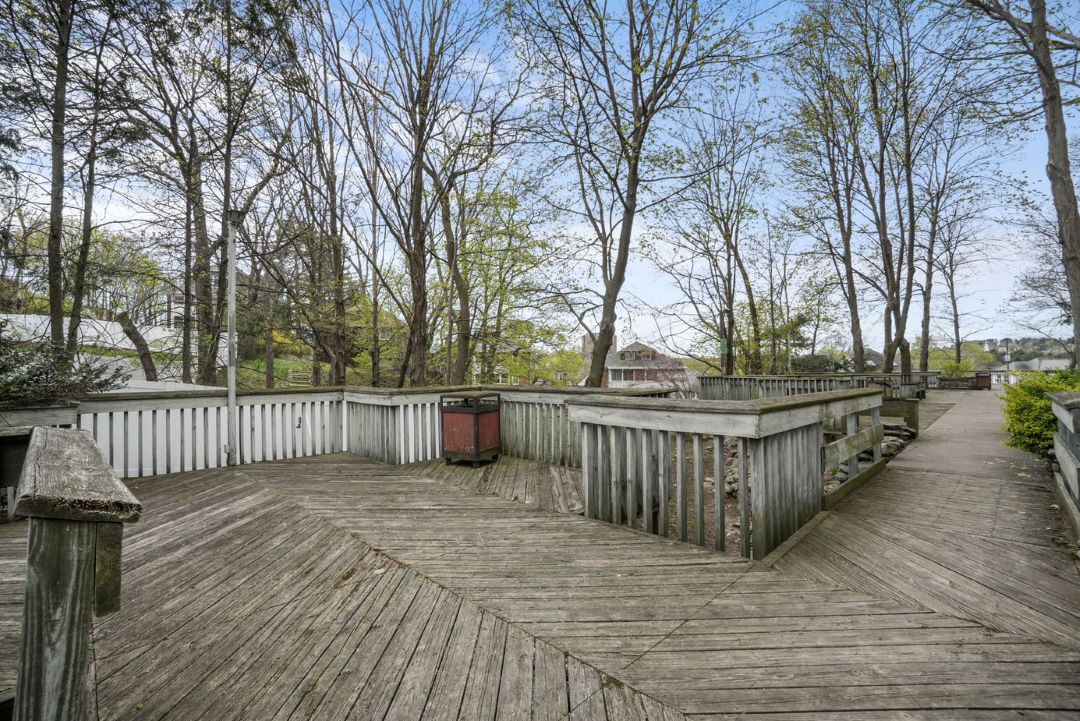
x=38 y=374
x=952 y=369
x=972 y=357
x=1029 y=417
x=817 y=363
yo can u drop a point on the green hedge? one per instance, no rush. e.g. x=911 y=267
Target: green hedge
x=1029 y=418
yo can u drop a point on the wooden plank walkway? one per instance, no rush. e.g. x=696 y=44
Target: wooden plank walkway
x=707 y=634
x=960 y=524
x=334 y=588
x=241 y=605
x=537 y=485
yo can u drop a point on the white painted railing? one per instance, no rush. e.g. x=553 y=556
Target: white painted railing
x=640 y=456
x=393 y=426
x=144 y=434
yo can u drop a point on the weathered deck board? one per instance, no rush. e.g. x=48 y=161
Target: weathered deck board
x=701 y=632
x=960 y=524
x=240 y=604
x=536 y=485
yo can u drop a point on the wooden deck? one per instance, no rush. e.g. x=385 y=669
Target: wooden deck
x=958 y=523
x=548 y=488
x=336 y=588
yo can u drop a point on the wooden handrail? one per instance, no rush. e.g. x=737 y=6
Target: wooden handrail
x=1066 y=407
x=77 y=510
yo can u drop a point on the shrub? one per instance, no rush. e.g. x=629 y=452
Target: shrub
x=954 y=370
x=1029 y=416
x=38 y=374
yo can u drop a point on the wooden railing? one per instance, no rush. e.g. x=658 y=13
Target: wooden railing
x=894 y=386
x=77 y=509
x=641 y=455
x=639 y=450
x=403 y=425
x=1066 y=407
x=535 y=422
x=966 y=380
x=151 y=433
x=746 y=388
x=394 y=425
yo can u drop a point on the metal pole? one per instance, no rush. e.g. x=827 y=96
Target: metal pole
x=235 y=218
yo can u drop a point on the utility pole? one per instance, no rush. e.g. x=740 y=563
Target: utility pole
x=236 y=218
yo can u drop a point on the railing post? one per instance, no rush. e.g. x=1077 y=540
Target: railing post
x=852 y=429
x=76 y=509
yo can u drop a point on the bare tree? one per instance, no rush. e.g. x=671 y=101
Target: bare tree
x=613 y=78
x=963 y=250
x=822 y=145
x=424 y=110
x=1039 y=39
x=703 y=248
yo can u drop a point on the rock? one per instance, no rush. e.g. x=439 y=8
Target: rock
x=893 y=430
x=891 y=446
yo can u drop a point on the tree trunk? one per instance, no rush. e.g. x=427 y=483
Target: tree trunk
x=417 y=352
x=268 y=350
x=459 y=367
x=606 y=334
x=957 y=338
x=375 y=352
x=928 y=282
x=753 y=360
x=65 y=11
x=78 y=287
x=136 y=338
x=1057 y=166
x=185 y=328
x=201 y=277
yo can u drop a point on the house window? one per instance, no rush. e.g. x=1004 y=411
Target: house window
x=616 y=374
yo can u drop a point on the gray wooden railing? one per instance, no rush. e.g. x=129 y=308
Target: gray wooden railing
x=636 y=447
x=150 y=433
x=640 y=455
x=403 y=425
x=1066 y=407
x=76 y=509
x=894 y=386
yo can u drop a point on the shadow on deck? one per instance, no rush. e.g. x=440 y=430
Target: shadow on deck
x=336 y=587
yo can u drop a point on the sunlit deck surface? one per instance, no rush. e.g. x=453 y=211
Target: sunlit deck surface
x=336 y=587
